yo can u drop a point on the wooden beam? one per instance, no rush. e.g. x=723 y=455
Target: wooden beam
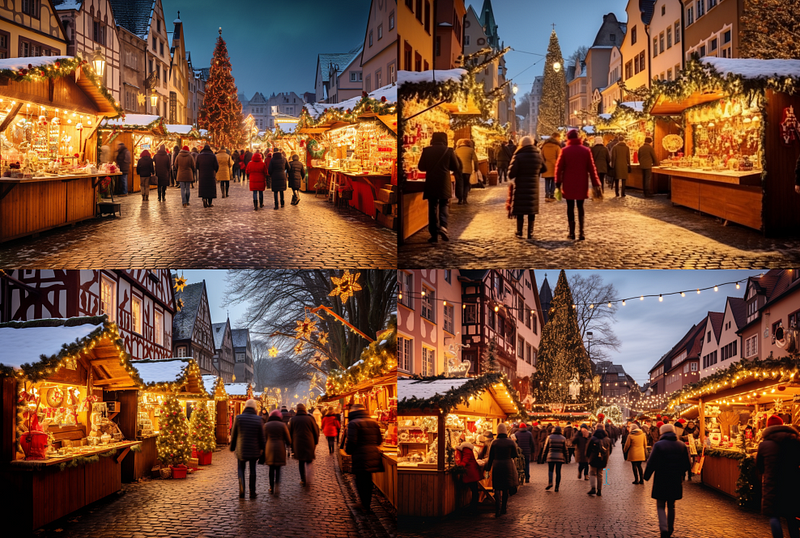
x=110 y=381
x=701 y=418
x=124 y=453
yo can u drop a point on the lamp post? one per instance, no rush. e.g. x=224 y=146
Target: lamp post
x=99 y=62
x=154 y=100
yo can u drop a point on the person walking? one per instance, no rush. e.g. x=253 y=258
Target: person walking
x=437 y=161
x=574 y=164
x=363 y=439
x=621 y=164
x=597 y=452
x=278 y=169
x=123 y=161
x=602 y=160
x=526 y=165
x=581 y=443
x=669 y=461
x=503 y=160
x=525 y=442
x=305 y=436
x=330 y=429
x=465 y=151
x=465 y=457
x=504 y=471
x=556 y=454
x=297 y=173
x=163 y=167
x=173 y=175
x=225 y=171
x=257 y=176
x=145 y=168
x=277 y=436
x=207 y=166
x=184 y=173
x=569 y=433
x=195 y=152
x=551 y=151
x=247 y=441
x=778 y=461
x=647 y=160
x=492 y=156
x=635 y=449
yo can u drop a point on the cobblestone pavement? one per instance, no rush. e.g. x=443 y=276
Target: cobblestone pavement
x=623 y=511
x=207 y=504
x=621 y=233
x=155 y=234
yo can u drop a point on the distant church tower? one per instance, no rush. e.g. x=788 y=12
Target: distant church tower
x=545 y=298
x=489 y=24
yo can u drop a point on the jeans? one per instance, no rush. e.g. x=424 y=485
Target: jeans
x=549 y=187
x=583 y=468
x=237 y=172
x=124 y=183
x=274 y=475
x=225 y=186
x=570 y=454
x=162 y=192
x=502 y=171
x=331 y=443
x=666 y=515
x=637 y=471
x=647 y=179
x=275 y=195
x=557 y=466
x=364 y=488
x=438 y=209
x=303 y=470
x=462 y=186
x=295 y=196
x=777 y=530
x=258 y=196
x=242 y=464
x=527 y=467
x=571 y=215
x=185 y=186
x=596 y=479
x=144 y=187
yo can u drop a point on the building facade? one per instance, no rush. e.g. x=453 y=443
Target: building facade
x=712 y=27
x=191 y=328
x=612 y=93
x=379 y=60
x=728 y=347
x=449 y=34
x=31 y=28
x=243 y=355
x=666 y=40
x=345 y=81
x=635 y=48
x=415 y=36
x=178 y=84
x=772 y=302
x=683 y=361
x=223 y=351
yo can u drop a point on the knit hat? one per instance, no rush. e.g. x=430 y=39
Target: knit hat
x=584 y=427
x=600 y=427
x=502 y=429
x=522 y=425
x=276 y=413
x=774 y=420
x=601 y=416
x=667 y=428
x=682 y=421
x=598 y=140
x=572 y=135
x=301 y=407
x=557 y=430
x=251 y=403
x=634 y=427
x=185 y=148
x=659 y=424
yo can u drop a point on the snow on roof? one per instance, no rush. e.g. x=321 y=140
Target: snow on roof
x=412 y=388
x=751 y=68
x=179 y=129
x=638 y=106
x=64 y=5
x=208 y=383
x=35 y=61
x=605 y=116
x=164 y=371
x=203 y=132
x=317 y=109
x=131 y=119
x=26 y=345
x=445 y=75
x=237 y=389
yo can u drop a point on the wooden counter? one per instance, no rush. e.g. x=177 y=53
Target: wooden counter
x=33 y=205
x=138 y=464
x=659 y=181
x=428 y=492
x=387 y=480
x=721 y=473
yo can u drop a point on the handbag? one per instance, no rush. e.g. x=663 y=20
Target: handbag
x=154 y=180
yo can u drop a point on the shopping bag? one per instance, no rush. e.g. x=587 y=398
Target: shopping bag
x=309 y=472
x=154 y=180
x=697 y=468
x=558 y=196
x=473 y=177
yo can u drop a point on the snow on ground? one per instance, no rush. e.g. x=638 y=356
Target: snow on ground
x=752 y=68
x=26 y=345
x=411 y=388
x=445 y=75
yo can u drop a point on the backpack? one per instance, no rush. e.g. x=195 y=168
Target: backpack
x=600 y=459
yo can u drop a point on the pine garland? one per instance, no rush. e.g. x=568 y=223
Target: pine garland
x=382 y=107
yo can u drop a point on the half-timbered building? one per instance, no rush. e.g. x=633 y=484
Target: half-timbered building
x=191 y=327
x=223 y=351
x=30 y=28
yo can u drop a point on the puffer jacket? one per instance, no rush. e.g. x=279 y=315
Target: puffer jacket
x=551 y=151
x=162 y=163
x=669 y=461
x=225 y=163
x=593 y=451
x=778 y=460
x=525 y=441
x=363 y=439
x=555 y=449
x=437 y=161
x=247 y=436
x=297 y=173
x=466 y=154
x=636 y=446
x=526 y=166
x=257 y=174
x=581 y=442
x=574 y=167
x=502 y=454
x=330 y=425
x=278 y=439
x=278 y=167
x=602 y=158
x=305 y=436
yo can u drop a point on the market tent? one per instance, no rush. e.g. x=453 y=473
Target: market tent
x=179 y=375
x=489 y=395
x=239 y=390
x=136 y=122
x=388 y=378
x=183 y=130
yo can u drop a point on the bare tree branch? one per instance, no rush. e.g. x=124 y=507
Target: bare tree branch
x=592 y=296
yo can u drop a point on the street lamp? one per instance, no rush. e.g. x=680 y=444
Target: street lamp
x=99 y=62
x=154 y=99
x=515 y=89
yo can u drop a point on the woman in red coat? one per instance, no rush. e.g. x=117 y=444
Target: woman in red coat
x=330 y=428
x=257 y=174
x=574 y=167
x=465 y=456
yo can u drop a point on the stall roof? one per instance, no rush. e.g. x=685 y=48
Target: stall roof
x=180 y=129
x=445 y=75
x=411 y=388
x=208 y=383
x=317 y=109
x=180 y=374
x=238 y=389
x=19 y=346
x=386 y=379
x=449 y=392
x=130 y=120
x=749 y=68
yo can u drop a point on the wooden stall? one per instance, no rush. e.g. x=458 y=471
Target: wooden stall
x=49 y=115
x=215 y=387
x=425 y=486
x=238 y=394
x=183 y=135
x=139 y=132
x=61 y=379
x=740 y=141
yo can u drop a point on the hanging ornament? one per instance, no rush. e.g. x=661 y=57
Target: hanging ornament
x=305 y=328
x=179 y=304
x=273 y=351
x=322 y=338
x=180 y=283
x=789 y=126
x=345 y=286
x=298 y=348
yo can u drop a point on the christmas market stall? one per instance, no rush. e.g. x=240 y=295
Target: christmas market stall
x=215 y=387
x=63 y=444
x=737 y=156
x=238 y=394
x=139 y=132
x=183 y=135
x=50 y=110
x=433 y=413
x=734 y=405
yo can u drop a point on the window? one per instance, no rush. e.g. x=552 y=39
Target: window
x=689 y=15
x=708 y=336
x=669 y=74
x=418 y=10
x=528 y=354
x=108 y=298
x=701 y=8
x=370 y=38
x=406 y=289
x=158 y=25
x=155 y=44
x=633 y=35
x=173 y=107
x=663 y=10
x=448 y=276
x=466 y=39
x=702 y=50
x=521 y=348
x=794 y=319
x=182 y=351
x=501 y=325
x=712 y=3
x=391 y=69
x=241 y=357
x=380 y=32
x=628 y=70
x=528 y=316
x=136 y=315
x=726 y=37
x=714 y=43
x=5 y=40
x=470 y=314
x=158 y=327
x=161 y=48
x=642 y=61
x=661 y=42
x=378 y=79
x=491 y=319
x=417 y=62
x=449 y=316
x=428 y=16
x=655 y=47
x=428 y=361
x=391 y=21
x=99 y=32
x=751 y=346
x=694 y=364
x=428 y=305
x=410 y=5
x=685 y=368
x=677 y=32
x=31 y=7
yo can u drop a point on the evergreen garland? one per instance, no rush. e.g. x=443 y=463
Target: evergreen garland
x=489 y=362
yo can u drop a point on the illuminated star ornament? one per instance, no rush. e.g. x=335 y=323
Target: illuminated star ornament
x=298 y=348
x=273 y=351
x=180 y=283
x=323 y=338
x=345 y=285
x=305 y=328
x=179 y=304
x=317 y=359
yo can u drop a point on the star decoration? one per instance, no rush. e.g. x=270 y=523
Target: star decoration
x=140 y=98
x=305 y=328
x=298 y=348
x=179 y=304
x=345 y=286
x=273 y=351
x=317 y=359
x=180 y=283
x=323 y=338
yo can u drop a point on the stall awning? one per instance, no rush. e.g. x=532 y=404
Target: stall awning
x=386 y=379
x=136 y=122
x=489 y=395
x=187 y=131
x=665 y=107
x=179 y=375
x=239 y=391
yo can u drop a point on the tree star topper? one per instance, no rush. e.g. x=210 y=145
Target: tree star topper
x=305 y=328
x=345 y=285
x=180 y=283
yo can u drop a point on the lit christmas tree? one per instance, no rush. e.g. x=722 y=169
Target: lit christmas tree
x=562 y=356
x=553 y=106
x=173 y=441
x=769 y=29
x=489 y=362
x=221 y=112
x=201 y=430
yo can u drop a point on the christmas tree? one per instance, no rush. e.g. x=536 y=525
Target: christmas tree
x=552 y=107
x=769 y=29
x=562 y=356
x=221 y=112
x=202 y=430
x=173 y=442
x=489 y=363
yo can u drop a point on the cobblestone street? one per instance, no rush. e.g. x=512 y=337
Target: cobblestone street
x=621 y=233
x=206 y=504
x=311 y=235
x=623 y=511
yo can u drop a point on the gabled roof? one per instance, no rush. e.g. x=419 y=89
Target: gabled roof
x=716 y=322
x=647 y=8
x=739 y=311
x=134 y=15
x=355 y=57
x=240 y=337
x=183 y=322
x=218 y=330
x=341 y=59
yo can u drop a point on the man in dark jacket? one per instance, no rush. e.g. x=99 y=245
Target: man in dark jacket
x=363 y=439
x=581 y=441
x=247 y=440
x=123 y=161
x=669 y=460
x=647 y=160
x=304 y=432
x=602 y=160
x=525 y=442
x=437 y=161
x=569 y=432
x=297 y=173
x=597 y=452
x=778 y=461
x=163 y=171
x=277 y=170
x=504 y=155
x=207 y=167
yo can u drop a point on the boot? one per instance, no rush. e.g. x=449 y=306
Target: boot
x=530 y=226
x=255 y=205
x=571 y=221
x=205 y=204
x=241 y=490
x=581 y=237
x=497 y=504
x=519 y=228
x=592 y=491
